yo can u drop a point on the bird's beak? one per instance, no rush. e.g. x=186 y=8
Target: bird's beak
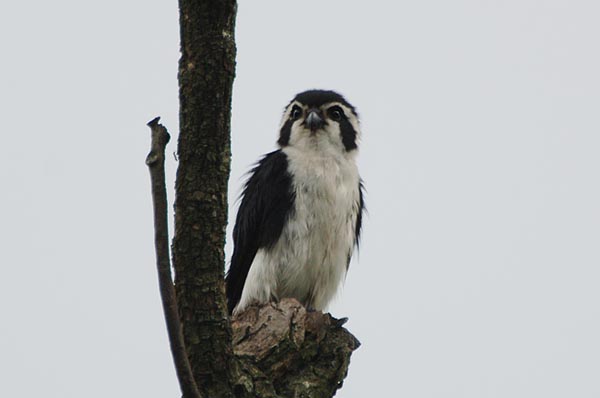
x=314 y=120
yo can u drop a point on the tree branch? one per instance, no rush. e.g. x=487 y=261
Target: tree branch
x=156 y=164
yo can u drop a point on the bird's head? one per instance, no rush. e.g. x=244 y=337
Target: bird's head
x=319 y=118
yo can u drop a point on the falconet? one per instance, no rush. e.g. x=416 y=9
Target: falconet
x=300 y=215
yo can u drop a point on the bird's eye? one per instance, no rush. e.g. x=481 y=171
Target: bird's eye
x=296 y=113
x=336 y=113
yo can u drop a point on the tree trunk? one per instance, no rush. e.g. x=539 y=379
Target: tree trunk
x=206 y=72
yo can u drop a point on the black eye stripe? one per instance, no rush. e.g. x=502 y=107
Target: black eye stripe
x=348 y=134
x=285 y=132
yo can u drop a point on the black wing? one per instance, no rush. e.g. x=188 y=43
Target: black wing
x=358 y=227
x=361 y=209
x=266 y=203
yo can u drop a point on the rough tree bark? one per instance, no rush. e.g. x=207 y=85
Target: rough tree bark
x=298 y=353
x=206 y=72
x=277 y=350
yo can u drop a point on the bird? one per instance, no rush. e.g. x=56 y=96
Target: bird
x=300 y=216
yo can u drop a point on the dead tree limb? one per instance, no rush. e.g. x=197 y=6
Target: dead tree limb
x=156 y=164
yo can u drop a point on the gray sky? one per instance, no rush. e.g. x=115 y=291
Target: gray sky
x=480 y=262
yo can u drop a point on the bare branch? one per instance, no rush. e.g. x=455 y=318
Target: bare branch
x=156 y=164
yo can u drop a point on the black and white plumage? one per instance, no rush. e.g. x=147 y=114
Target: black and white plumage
x=301 y=211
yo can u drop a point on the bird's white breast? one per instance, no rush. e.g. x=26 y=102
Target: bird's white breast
x=310 y=259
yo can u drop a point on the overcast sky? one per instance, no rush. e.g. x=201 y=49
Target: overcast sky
x=479 y=269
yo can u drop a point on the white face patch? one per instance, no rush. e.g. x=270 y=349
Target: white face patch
x=326 y=139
